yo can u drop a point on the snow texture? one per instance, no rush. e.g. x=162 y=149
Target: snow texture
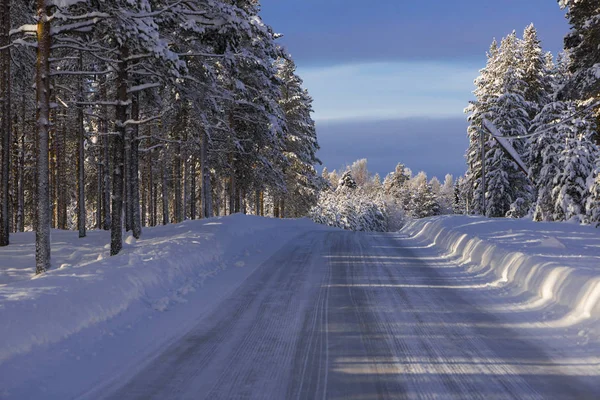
x=556 y=262
x=91 y=293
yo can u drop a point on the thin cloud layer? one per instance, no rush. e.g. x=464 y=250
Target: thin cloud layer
x=389 y=90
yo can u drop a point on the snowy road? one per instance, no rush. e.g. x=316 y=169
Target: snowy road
x=342 y=315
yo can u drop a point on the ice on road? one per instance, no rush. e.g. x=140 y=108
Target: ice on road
x=344 y=315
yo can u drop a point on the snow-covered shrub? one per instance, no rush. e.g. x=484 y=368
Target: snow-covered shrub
x=518 y=209
x=352 y=209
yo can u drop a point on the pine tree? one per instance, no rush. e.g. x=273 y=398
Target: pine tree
x=347 y=181
x=507 y=183
x=536 y=68
x=300 y=141
x=544 y=152
x=582 y=43
x=575 y=166
x=485 y=94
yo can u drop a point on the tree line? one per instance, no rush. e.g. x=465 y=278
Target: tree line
x=549 y=106
x=358 y=200
x=120 y=114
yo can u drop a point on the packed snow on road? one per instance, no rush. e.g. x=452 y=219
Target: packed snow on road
x=249 y=307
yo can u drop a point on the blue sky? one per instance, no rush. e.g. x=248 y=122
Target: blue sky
x=389 y=60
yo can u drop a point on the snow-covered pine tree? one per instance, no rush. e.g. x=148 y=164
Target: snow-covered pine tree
x=592 y=205
x=347 y=181
x=508 y=112
x=582 y=44
x=544 y=150
x=446 y=195
x=536 y=72
x=576 y=164
x=485 y=89
x=423 y=201
x=300 y=141
x=394 y=182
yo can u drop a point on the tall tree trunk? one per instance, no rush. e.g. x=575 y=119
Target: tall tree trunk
x=257 y=202
x=62 y=175
x=152 y=191
x=21 y=172
x=193 y=187
x=262 y=204
x=206 y=193
x=107 y=222
x=5 y=124
x=100 y=191
x=127 y=191
x=81 y=214
x=42 y=234
x=116 y=232
x=144 y=192
x=231 y=187
x=134 y=166
x=165 y=193
x=53 y=162
x=177 y=182
x=186 y=185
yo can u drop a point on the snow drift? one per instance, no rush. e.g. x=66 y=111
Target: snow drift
x=558 y=263
x=86 y=287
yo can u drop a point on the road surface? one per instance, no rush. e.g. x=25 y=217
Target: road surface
x=344 y=315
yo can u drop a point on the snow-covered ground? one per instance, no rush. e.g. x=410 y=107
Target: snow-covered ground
x=461 y=304
x=557 y=264
x=110 y=311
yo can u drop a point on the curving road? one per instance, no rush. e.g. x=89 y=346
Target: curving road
x=343 y=315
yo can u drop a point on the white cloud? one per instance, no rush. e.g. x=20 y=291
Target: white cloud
x=389 y=90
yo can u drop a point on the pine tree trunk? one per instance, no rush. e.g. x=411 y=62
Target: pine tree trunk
x=231 y=187
x=206 y=193
x=186 y=185
x=21 y=171
x=134 y=166
x=262 y=204
x=144 y=192
x=116 y=233
x=152 y=192
x=99 y=191
x=165 y=194
x=177 y=182
x=42 y=234
x=53 y=162
x=282 y=209
x=257 y=202
x=20 y=185
x=106 y=142
x=81 y=212
x=242 y=202
x=5 y=124
x=62 y=176
x=193 y=187
x=128 y=192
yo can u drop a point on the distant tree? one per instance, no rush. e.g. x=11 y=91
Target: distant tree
x=347 y=181
x=360 y=172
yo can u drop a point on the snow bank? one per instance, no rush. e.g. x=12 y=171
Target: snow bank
x=86 y=287
x=559 y=263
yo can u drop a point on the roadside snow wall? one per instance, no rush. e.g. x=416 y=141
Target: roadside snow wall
x=557 y=262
